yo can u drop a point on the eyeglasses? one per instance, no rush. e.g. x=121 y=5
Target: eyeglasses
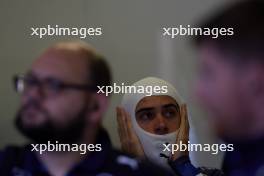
x=48 y=86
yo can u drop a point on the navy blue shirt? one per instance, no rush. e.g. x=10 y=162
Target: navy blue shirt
x=247 y=159
x=22 y=161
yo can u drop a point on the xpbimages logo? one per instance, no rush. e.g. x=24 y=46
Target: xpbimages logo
x=125 y=89
x=58 y=147
x=56 y=30
x=213 y=148
x=182 y=30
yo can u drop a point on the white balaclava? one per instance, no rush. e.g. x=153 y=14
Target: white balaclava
x=152 y=144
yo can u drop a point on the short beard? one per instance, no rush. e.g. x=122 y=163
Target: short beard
x=70 y=134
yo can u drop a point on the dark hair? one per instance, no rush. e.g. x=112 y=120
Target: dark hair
x=247 y=20
x=100 y=71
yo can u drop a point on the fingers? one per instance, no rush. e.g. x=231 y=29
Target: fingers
x=118 y=118
x=119 y=121
x=183 y=133
x=128 y=122
x=119 y=125
x=122 y=129
x=185 y=123
x=184 y=136
x=182 y=124
x=133 y=138
x=128 y=138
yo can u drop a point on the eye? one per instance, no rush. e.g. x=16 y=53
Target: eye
x=54 y=85
x=30 y=81
x=146 y=116
x=170 y=113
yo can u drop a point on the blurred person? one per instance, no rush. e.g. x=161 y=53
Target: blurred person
x=230 y=84
x=60 y=104
x=145 y=123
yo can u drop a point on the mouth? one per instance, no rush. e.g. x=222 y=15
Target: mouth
x=30 y=112
x=31 y=116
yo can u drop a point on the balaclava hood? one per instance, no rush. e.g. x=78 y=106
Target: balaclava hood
x=152 y=144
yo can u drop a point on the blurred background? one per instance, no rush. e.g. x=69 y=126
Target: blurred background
x=132 y=42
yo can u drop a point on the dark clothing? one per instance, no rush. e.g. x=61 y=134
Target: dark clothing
x=21 y=161
x=247 y=159
x=183 y=167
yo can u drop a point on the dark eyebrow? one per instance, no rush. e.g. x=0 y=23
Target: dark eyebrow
x=144 y=109
x=171 y=105
x=31 y=74
x=164 y=106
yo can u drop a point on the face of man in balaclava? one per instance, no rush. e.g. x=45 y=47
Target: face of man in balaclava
x=48 y=113
x=158 y=114
x=155 y=119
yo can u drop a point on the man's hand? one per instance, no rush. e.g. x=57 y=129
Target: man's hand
x=128 y=138
x=183 y=134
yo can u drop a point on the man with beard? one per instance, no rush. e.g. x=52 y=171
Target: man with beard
x=60 y=105
x=230 y=85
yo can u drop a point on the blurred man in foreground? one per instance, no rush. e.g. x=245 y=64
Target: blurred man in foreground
x=60 y=108
x=230 y=85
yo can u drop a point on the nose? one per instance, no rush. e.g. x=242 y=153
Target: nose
x=161 y=127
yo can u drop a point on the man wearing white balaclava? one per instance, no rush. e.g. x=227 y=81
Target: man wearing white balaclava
x=152 y=144
x=149 y=144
